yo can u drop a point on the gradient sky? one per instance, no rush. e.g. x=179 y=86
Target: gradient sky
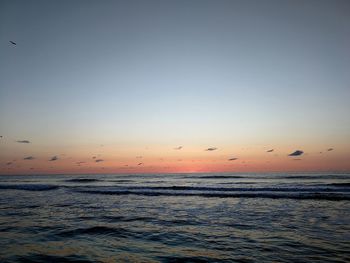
x=122 y=79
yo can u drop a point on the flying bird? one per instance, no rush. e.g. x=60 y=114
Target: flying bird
x=232 y=159
x=29 y=158
x=140 y=163
x=211 y=149
x=8 y=163
x=330 y=149
x=99 y=160
x=54 y=158
x=23 y=141
x=296 y=153
x=13 y=43
x=178 y=148
x=270 y=151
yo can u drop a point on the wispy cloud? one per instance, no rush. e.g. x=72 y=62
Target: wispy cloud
x=23 y=141
x=29 y=158
x=296 y=153
x=211 y=149
x=138 y=157
x=178 y=148
x=54 y=158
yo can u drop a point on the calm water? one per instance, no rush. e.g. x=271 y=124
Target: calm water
x=175 y=218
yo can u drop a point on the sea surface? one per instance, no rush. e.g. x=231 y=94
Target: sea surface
x=175 y=218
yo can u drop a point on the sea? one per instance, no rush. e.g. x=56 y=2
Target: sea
x=207 y=217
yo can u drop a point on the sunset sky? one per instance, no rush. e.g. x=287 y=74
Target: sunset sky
x=117 y=86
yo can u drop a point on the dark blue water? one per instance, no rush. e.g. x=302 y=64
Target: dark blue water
x=175 y=218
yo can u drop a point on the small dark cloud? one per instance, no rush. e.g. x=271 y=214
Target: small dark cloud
x=140 y=164
x=270 y=151
x=178 y=148
x=211 y=149
x=232 y=159
x=23 y=141
x=99 y=160
x=54 y=158
x=0 y=136
x=93 y=157
x=296 y=153
x=330 y=149
x=29 y=158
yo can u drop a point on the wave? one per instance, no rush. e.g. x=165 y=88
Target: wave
x=29 y=187
x=33 y=257
x=83 y=180
x=216 y=189
x=217 y=177
x=95 y=230
x=273 y=195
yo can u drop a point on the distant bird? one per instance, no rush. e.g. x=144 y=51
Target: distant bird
x=0 y=136
x=8 y=163
x=178 y=148
x=23 y=141
x=232 y=159
x=99 y=160
x=211 y=149
x=93 y=157
x=140 y=163
x=54 y=158
x=13 y=43
x=29 y=158
x=270 y=151
x=330 y=149
x=296 y=153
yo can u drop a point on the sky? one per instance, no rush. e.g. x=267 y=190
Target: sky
x=129 y=82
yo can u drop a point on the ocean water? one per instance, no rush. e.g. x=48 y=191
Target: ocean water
x=175 y=218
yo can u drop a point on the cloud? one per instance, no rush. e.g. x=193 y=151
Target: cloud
x=99 y=160
x=54 y=158
x=270 y=151
x=23 y=141
x=29 y=158
x=296 y=153
x=178 y=148
x=211 y=149
x=232 y=159
x=330 y=149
